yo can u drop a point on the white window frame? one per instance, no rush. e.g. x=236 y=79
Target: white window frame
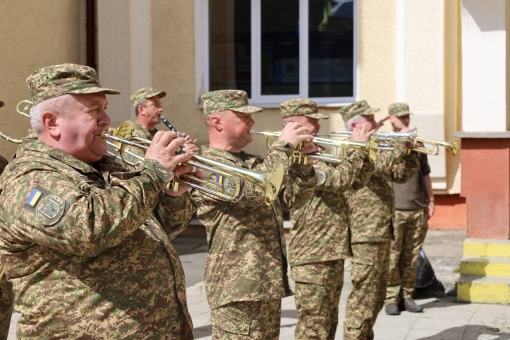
x=202 y=57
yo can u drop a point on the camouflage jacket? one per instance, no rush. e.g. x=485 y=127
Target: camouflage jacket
x=320 y=231
x=3 y=164
x=247 y=258
x=88 y=249
x=142 y=132
x=371 y=200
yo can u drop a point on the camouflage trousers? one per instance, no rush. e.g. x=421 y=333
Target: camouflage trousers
x=6 y=303
x=369 y=272
x=317 y=294
x=241 y=320
x=410 y=228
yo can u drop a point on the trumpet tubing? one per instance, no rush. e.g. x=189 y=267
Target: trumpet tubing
x=229 y=178
x=370 y=147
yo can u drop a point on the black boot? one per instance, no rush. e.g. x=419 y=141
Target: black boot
x=412 y=307
x=392 y=309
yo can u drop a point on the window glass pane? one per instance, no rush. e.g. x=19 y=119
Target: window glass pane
x=331 y=47
x=280 y=47
x=230 y=45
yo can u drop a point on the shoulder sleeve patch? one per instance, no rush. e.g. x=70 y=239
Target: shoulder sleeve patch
x=48 y=207
x=321 y=177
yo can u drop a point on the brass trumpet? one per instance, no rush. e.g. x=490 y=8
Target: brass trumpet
x=229 y=178
x=28 y=105
x=9 y=139
x=370 y=147
x=389 y=137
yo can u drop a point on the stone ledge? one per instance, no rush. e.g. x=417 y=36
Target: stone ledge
x=500 y=134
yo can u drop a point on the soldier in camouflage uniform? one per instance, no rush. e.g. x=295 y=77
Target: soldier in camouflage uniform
x=370 y=206
x=246 y=268
x=414 y=206
x=319 y=239
x=87 y=246
x=6 y=294
x=148 y=111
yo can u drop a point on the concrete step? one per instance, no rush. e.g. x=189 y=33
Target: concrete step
x=483 y=289
x=485 y=266
x=479 y=247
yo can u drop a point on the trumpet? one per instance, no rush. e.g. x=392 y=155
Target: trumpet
x=389 y=137
x=229 y=178
x=28 y=105
x=9 y=139
x=370 y=147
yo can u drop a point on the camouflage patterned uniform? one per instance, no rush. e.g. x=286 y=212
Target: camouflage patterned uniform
x=370 y=205
x=6 y=294
x=87 y=247
x=410 y=223
x=246 y=268
x=319 y=239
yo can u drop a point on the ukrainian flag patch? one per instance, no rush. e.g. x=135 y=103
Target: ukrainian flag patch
x=34 y=197
x=219 y=179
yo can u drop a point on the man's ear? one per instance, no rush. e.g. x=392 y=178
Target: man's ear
x=50 y=123
x=216 y=122
x=140 y=110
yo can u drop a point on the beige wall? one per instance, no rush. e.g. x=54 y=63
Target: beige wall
x=34 y=34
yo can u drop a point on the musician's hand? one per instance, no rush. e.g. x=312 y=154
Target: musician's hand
x=380 y=123
x=181 y=170
x=309 y=148
x=295 y=133
x=405 y=129
x=163 y=147
x=359 y=135
x=190 y=143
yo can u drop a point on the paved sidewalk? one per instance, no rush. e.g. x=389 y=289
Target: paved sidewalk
x=442 y=319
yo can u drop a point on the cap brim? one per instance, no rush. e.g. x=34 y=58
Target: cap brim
x=1 y=103
x=246 y=109
x=370 y=112
x=316 y=116
x=402 y=113
x=159 y=94
x=94 y=90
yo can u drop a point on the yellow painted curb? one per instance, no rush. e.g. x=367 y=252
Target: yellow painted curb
x=487 y=248
x=485 y=267
x=483 y=292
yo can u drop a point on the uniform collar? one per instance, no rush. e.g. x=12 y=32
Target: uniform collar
x=43 y=148
x=206 y=149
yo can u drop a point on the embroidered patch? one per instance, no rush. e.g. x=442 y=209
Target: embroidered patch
x=33 y=198
x=51 y=209
x=321 y=177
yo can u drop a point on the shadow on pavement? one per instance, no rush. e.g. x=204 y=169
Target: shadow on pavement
x=469 y=332
x=190 y=245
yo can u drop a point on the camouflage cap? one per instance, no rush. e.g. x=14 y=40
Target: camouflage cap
x=357 y=108
x=144 y=93
x=399 y=109
x=53 y=81
x=1 y=103
x=223 y=100
x=301 y=107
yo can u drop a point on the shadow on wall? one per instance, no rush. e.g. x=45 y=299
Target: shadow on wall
x=451 y=213
x=470 y=332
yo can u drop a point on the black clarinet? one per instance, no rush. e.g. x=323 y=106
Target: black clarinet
x=171 y=127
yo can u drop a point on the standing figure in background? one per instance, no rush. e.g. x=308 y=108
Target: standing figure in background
x=370 y=206
x=414 y=204
x=319 y=238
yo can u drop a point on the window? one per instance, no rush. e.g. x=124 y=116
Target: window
x=277 y=50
